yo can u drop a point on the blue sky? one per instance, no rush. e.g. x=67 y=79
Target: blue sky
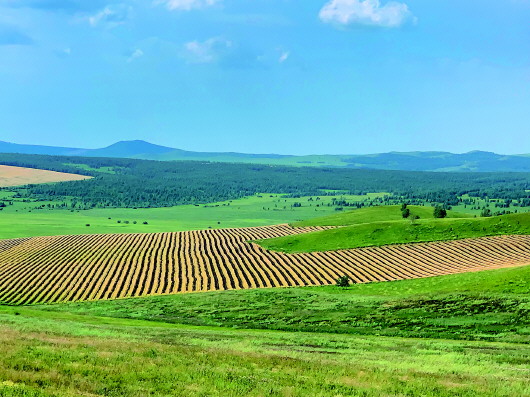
x=268 y=76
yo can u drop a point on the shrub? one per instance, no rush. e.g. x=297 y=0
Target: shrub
x=343 y=281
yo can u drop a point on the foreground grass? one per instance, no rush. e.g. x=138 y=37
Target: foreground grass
x=488 y=305
x=400 y=232
x=62 y=354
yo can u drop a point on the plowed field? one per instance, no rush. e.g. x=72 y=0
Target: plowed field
x=16 y=176
x=87 y=267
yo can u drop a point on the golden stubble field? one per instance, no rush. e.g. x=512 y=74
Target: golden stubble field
x=18 y=176
x=88 y=267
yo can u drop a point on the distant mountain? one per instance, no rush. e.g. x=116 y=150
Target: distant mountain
x=476 y=161
x=131 y=149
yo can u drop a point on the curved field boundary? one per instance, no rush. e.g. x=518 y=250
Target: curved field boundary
x=18 y=176
x=73 y=268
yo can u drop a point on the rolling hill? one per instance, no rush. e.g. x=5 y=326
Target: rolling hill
x=476 y=161
x=378 y=226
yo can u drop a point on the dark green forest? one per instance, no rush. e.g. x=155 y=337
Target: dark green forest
x=145 y=183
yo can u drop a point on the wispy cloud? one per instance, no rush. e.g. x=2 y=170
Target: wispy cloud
x=284 y=56
x=187 y=5
x=365 y=12
x=63 y=53
x=10 y=35
x=137 y=53
x=207 y=51
x=111 y=16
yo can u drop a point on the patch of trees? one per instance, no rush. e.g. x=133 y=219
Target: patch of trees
x=439 y=212
x=145 y=183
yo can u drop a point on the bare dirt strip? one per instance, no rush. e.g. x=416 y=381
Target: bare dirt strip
x=88 y=267
x=18 y=176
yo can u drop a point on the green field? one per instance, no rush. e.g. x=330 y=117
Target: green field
x=489 y=305
x=374 y=214
x=25 y=219
x=366 y=228
x=138 y=347
x=459 y=335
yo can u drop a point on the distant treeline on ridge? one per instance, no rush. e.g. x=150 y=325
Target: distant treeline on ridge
x=121 y=182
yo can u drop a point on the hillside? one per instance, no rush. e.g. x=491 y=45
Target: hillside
x=126 y=265
x=461 y=335
x=460 y=306
x=374 y=214
x=475 y=161
x=378 y=233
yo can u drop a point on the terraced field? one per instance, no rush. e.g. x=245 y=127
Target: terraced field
x=89 y=267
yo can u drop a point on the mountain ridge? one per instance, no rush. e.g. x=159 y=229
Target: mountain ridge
x=477 y=160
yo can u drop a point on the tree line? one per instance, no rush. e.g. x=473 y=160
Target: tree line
x=146 y=183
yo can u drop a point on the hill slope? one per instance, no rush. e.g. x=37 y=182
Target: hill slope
x=378 y=233
x=374 y=214
x=487 y=305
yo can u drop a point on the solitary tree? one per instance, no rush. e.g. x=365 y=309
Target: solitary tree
x=486 y=212
x=440 y=212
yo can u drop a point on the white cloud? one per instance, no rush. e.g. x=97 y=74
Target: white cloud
x=207 y=51
x=284 y=56
x=365 y=12
x=135 y=54
x=111 y=16
x=187 y=5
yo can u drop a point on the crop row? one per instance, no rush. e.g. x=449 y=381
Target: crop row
x=88 y=267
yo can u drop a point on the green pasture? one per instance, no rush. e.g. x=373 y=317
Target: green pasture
x=25 y=219
x=489 y=305
x=375 y=214
x=360 y=233
x=460 y=335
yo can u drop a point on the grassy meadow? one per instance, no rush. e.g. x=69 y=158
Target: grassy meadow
x=26 y=219
x=374 y=214
x=368 y=227
x=488 y=305
x=145 y=346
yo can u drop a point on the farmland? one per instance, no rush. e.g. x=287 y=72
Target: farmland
x=16 y=176
x=71 y=268
x=112 y=295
